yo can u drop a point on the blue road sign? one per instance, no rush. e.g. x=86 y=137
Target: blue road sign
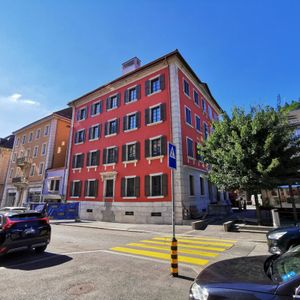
x=171 y=156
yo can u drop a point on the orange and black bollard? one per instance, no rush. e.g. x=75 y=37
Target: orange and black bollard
x=174 y=258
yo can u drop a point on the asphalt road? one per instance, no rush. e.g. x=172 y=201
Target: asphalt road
x=87 y=263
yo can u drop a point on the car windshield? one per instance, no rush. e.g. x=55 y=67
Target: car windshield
x=21 y=216
x=286 y=266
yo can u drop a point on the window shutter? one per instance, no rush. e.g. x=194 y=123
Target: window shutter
x=90 y=133
x=165 y=184
x=163 y=111
x=83 y=139
x=117 y=125
x=106 y=128
x=147 y=185
x=92 y=112
x=147 y=87
x=96 y=187
x=137 y=186
x=104 y=156
x=99 y=129
x=116 y=154
x=73 y=161
x=86 y=112
x=101 y=106
x=86 y=188
x=79 y=189
x=118 y=99
x=124 y=123
x=81 y=160
x=71 y=189
x=163 y=145
x=147 y=149
x=138 y=119
x=138 y=151
x=98 y=157
x=162 y=81
x=126 y=96
x=147 y=111
x=123 y=183
x=77 y=115
x=75 y=137
x=138 y=91
x=88 y=159
x=107 y=104
x=124 y=158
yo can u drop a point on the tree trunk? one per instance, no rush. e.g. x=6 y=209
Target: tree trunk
x=293 y=205
x=258 y=212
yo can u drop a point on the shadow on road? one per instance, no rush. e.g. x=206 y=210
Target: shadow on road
x=185 y=278
x=28 y=260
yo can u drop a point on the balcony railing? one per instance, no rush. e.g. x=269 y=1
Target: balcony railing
x=23 y=161
x=19 y=181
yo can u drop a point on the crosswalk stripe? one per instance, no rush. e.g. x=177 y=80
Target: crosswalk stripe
x=185 y=245
x=197 y=242
x=186 y=251
x=164 y=256
x=203 y=238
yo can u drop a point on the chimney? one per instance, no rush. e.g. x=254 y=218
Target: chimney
x=130 y=65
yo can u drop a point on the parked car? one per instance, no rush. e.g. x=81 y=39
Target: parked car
x=276 y=277
x=13 y=208
x=23 y=230
x=283 y=238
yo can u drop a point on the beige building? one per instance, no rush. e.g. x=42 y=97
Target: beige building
x=38 y=146
x=6 y=145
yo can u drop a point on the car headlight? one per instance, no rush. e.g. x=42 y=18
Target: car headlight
x=198 y=292
x=276 y=235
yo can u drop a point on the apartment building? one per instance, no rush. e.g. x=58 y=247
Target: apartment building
x=118 y=152
x=38 y=147
x=6 y=145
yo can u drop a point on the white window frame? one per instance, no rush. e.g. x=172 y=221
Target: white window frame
x=72 y=188
x=152 y=175
x=14 y=157
x=76 y=161
x=90 y=159
x=35 y=152
x=187 y=148
x=131 y=88
x=108 y=127
x=198 y=130
x=78 y=143
x=150 y=114
x=23 y=139
x=183 y=81
x=127 y=145
x=39 y=171
x=50 y=179
x=30 y=138
x=105 y=187
x=110 y=102
x=129 y=197
x=32 y=170
x=129 y=115
x=150 y=82
x=187 y=108
x=46 y=130
x=106 y=158
x=150 y=146
x=97 y=138
x=93 y=104
x=44 y=147
x=38 y=133
x=203 y=105
x=81 y=109
x=88 y=188
x=199 y=99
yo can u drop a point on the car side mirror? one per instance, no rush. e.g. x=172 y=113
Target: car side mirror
x=297 y=293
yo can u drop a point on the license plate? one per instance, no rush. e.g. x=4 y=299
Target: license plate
x=29 y=231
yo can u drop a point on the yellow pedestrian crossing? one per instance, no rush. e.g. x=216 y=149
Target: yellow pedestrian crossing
x=191 y=250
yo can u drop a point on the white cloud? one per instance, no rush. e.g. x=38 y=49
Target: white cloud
x=18 y=99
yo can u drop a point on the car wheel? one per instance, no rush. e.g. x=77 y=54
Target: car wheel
x=40 y=249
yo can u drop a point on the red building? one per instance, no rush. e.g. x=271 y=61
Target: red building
x=118 y=165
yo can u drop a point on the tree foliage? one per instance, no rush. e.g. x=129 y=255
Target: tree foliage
x=251 y=151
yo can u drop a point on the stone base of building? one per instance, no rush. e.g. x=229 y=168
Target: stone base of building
x=219 y=209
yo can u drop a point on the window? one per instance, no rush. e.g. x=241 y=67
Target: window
x=30 y=136
x=190 y=151
x=203 y=105
x=188 y=116
x=216 y=118
x=198 y=123
x=202 y=190
x=191 y=181
x=186 y=87
x=96 y=108
x=75 y=188
x=41 y=168
x=131 y=152
x=113 y=102
x=17 y=141
x=93 y=158
x=196 y=98
x=44 y=147
x=11 y=173
x=24 y=139
x=205 y=131
x=109 y=188
x=132 y=94
x=91 y=188
x=81 y=114
x=14 y=158
x=38 y=134
x=94 y=132
x=210 y=113
x=155 y=114
x=198 y=152
x=32 y=170
x=155 y=85
x=77 y=161
x=28 y=153
x=79 y=136
x=54 y=185
x=110 y=155
x=156 y=185
x=46 y=130
x=35 y=151
x=131 y=121
x=155 y=146
x=130 y=186
x=112 y=127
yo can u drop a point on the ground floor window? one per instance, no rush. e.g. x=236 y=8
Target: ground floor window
x=75 y=188
x=109 y=188
x=191 y=181
x=156 y=185
x=91 y=188
x=130 y=186
x=202 y=190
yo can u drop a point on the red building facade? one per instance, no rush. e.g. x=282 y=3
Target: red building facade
x=118 y=151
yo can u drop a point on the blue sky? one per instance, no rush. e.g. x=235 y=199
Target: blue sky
x=54 y=51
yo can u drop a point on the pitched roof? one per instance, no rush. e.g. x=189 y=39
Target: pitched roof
x=7 y=142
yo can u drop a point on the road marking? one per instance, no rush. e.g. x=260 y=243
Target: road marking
x=185 y=246
x=180 y=250
x=185 y=259
x=204 y=238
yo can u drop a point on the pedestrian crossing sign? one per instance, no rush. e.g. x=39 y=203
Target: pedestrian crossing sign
x=171 y=156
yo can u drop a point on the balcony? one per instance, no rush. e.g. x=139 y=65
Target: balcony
x=20 y=181
x=23 y=161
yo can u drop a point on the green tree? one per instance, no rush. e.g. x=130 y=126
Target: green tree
x=252 y=151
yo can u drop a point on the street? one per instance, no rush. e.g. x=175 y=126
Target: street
x=88 y=263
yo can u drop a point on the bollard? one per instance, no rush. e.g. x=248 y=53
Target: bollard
x=174 y=258
x=275 y=218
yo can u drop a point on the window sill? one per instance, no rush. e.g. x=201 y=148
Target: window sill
x=155 y=123
x=155 y=197
x=187 y=95
x=112 y=108
x=156 y=92
x=92 y=167
x=92 y=140
x=81 y=120
x=132 y=101
x=188 y=124
x=78 y=143
x=191 y=158
x=95 y=115
x=130 y=162
x=90 y=197
x=74 y=197
x=76 y=169
x=128 y=198
x=160 y=157
x=112 y=134
x=109 y=165
x=129 y=130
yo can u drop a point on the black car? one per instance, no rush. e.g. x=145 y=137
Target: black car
x=23 y=230
x=283 y=238
x=250 y=278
